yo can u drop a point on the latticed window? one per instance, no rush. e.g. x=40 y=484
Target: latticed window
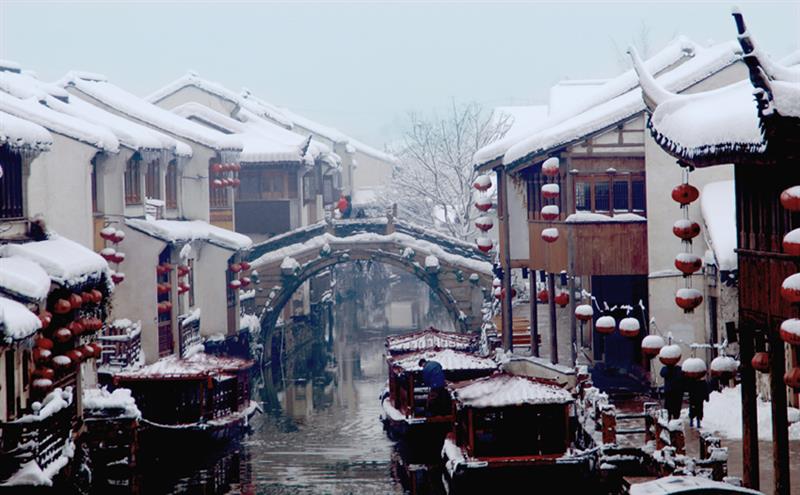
x=133 y=181
x=218 y=195
x=152 y=180
x=11 y=203
x=622 y=192
x=171 y=183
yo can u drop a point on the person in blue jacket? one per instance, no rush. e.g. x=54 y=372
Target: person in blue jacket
x=433 y=378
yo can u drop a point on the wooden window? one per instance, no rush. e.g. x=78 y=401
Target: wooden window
x=621 y=199
x=94 y=187
x=152 y=180
x=638 y=199
x=583 y=196
x=601 y=196
x=535 y=199
x=218 y=195
x=327 y=190
x=171 y=183
x=250 y=187
x=11 y=203
x=292 y=179
x=624 y=192
x=133 y=182
x=309 y=187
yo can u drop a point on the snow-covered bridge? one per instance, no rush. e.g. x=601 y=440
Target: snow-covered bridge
x=458 y=274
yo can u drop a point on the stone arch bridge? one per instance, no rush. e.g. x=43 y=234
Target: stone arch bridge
x=459 y=275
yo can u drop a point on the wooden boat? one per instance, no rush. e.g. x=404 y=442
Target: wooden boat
x=429 y=339
x=519 y=428
x=406 y=411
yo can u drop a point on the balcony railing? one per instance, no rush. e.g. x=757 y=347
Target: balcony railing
x=122 y=346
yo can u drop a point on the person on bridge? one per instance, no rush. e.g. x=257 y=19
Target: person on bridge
x=433 y=378
x=344 y=206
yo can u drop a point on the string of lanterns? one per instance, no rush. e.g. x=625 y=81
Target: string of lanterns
x=688 y=263
x=110 y=254
x=483 y=203
x=220 y=169
x=790 y=289
x=550 y=212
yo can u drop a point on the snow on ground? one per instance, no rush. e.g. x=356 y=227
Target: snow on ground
x=190 y=230
x=16 y=320
x=24 y=277
x=65 y=261
x=722 y=415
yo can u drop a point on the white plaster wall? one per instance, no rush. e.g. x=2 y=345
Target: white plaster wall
x=370 y=172
x=111 y=183
x=210 y=286
x=59 y=188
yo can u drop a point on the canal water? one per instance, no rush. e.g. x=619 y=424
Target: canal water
x=320 y=432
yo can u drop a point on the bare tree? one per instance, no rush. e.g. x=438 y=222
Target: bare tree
x=432 y=183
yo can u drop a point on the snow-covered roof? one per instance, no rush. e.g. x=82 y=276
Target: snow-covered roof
x=686 y=484
x=569 y=93
x=449 y=359
x=21 y=134
x=718 y=206
x=281 y=135
x=16 y=320
x=65 y=261
x=504 y=390
x=134 y=107
x=243 y=99
x=190 y=230
x=259 y=147
x=198 y=365
x=429 y=339
x=22 y=277
x=558 y=132
x=520 y=118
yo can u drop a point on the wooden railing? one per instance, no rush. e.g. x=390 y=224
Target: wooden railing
x=41 y=441
x=122 y=348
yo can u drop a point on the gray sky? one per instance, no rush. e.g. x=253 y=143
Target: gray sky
x=361 y=66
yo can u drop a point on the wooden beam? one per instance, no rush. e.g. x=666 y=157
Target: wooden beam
x=551 y=288
x=505 y=259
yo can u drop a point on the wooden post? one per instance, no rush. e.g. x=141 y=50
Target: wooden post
x=534 y=313
x=551 y=288
x=780 y=423
x=750 y=473
x=505 y=259
x=573 y=322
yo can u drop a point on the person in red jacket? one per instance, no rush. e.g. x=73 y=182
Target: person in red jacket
x=344 y=207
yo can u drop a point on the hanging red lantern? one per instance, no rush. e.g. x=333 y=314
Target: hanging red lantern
x=791 y=243
x=245 y=281
x=484 y=223
x=482 y=183
x=164 y=307
x=723 y=367
x=46 y=318
x=118 y=236
x=686 y=229
x=550 y=212
x=168 y=305
x=44 y=343
x=790 y=331
x=605 y=325
x=62 y=361
x=217 y=183
x=97 y=349
x=562 y=299
x=87 y=297
x=118 y=257
x=74 y=355
x=183 y=270
x=790 y=198
x=790 y=288
x=183 y=288
x=163 y=288
x=792 y=378
x=62 y=335
x=685 y=194
x=760 y=362
x=245 y=265
x=75 y=301
x=97 y=296
x=108 y=254
x=235 y=182
x=688 y=298
x=550 y=235
x=107 y=233
x=41 y=356
x=76 y=328
x=485 y=244
x=669 y=355
x=217 y=168
x=584 y=312
x=43 y=372
x=543 y=296
x=550 y=191
x=499 y=293
x=117 y=278
x=87 y=352
x=694 y=368
x=550 y=167
x=237 y=167
x=234 y=284
x=235 y=268
x=629 y=327
x=652 y=345
x=688 y=263
x=42 y=386
x=62 y=306
x=483 y=204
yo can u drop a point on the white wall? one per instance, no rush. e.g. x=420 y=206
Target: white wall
x=59 y=188
x=210 y=288
x=370 y=172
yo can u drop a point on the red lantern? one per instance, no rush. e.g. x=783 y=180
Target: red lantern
x=694 y=368
x=484 y=223
x=723 y=367
x=550 y=191
x=168 y=305
x=75 y=301
x=550 y=212
x=87 y=297
x=790 y=198
x=74 y=355
x=605 y=325
x=237 y=167
x=108 y=253
x=562 y=299
x=236 y=268
x=217 y=183
x=97 y=296
x=183 y=270
x=163 y=288
x=652 y=345
x=62 y=306
x=43 y=343
x=97 y=349
x=183 y=288
x=685 y=194
x=41 y=356
x=47 y=373
x=76 y=328
x=688 y=298
x=669 y=355
x=790 y=331
x=485 y=244
x=629 y=327
x=792 y=378
x=584 y=312
x=42 y=385
x=234 y=284
x=118 y=257
x=87 y=351
x=550 y=167
x=483 y=204
x=62 y=335
x=543 y=296
x=245 y=265
x=688 y=263
x=550 y=235
x=791 y=243
x=217 y=168
x=117 y=278
x=118 y=236
x=235 y=182
x=790 y=288
x=62 y=361
x=46 y=318
x=482 y=183
x=245 y=281
x=164 y=307
x=685 y=229
x=107 y=233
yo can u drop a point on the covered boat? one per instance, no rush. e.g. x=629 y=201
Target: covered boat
x=430 y=338
x=405 y=404
x=517 y=427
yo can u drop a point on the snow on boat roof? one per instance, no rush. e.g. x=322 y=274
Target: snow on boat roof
x=504 y=390
x=32 y=110
x=429 y=339
x=199 y=365
x=561 y=132
x=686 y=484
x=258 y=146
x=675 y=51
x=144 y=111
x=190 y=230
x=243 y=99
x=65 y=261
x=17 y=322
x=18 y=133
x=449 y=359
x=718 y=206
x=23 y=277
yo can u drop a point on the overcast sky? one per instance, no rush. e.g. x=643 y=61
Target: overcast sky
x=361 y=66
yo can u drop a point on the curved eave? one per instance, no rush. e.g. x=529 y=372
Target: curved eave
x=490 y=165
